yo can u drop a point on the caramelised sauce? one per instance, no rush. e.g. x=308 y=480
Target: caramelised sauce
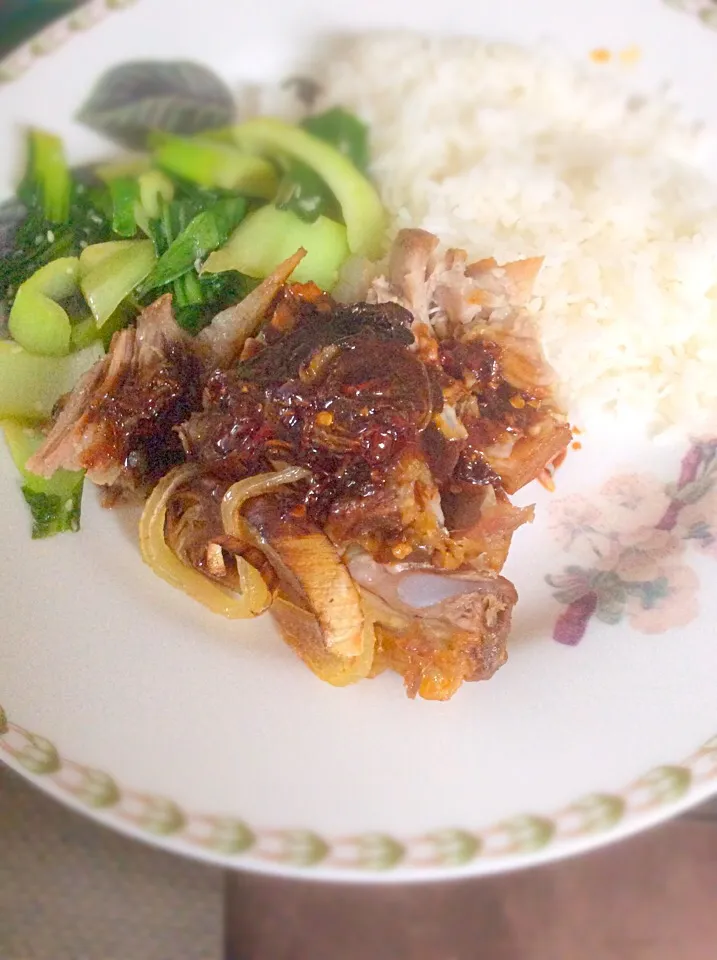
x=339 y=389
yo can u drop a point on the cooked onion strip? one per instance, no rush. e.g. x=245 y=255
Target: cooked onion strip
x=232 y=520
x=302 y=631
x=229 y=330
x=255 y=596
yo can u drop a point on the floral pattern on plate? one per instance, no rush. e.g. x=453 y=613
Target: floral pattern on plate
x=630 y=544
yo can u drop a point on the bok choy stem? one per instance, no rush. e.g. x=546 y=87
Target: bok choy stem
x=37 y=321
x=117 y=274
x=360 y=205
x=31 y=385
x=125 y=196
x=269 y=235
x=212 y=164
x=48 y=176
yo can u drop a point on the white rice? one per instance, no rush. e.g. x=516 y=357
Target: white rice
x=515 y=153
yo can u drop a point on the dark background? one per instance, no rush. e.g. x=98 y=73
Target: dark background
x=19 y=19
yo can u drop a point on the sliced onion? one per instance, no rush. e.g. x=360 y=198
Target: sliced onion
x=232 y=520
x=255 y=596
x=303 y=633
x=229 y=330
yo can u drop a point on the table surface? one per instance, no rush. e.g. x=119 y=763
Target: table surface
x=72 y=890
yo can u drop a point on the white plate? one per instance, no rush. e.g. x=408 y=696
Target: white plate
x=133 y=704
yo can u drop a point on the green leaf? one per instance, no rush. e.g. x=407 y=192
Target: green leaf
x=608 y=583
x=3 y=722
x=33 y=241
x=216 y=293
x=378 y=851
x=133 y=99
x=303 y=192
x=55 y=501
x=216 y=165
x=455 y=847
x=52 y=514
x=344 y=131
x=39 y=756
x=47 y=179
x=203 y=234
x=230 y=836
x=125 y=194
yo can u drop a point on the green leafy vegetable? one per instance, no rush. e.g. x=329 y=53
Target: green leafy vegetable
x=114 y=275
x=55 y=504
x=196 y=305
x=12 y=214
x=130 y=167
x=204 y=233
x=37 y=321
x=269 y=235
x=133 y=99
x=361 y=207
x=344 y=131
x=37 y=239
x=84 y=332
x=53 y=513
x=213 y=164
x=154 y=189
x=31 y=385
x=302 y=190
x=47 y=181
x=125 y=196
x=97 y=253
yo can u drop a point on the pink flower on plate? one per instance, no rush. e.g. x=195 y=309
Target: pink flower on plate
x=641 y=554
x=697 y=523
x=669 y=601
x=573 y=517
x=634 y=500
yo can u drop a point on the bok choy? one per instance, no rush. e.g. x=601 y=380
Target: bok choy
x=269 y=235
x=54 y=504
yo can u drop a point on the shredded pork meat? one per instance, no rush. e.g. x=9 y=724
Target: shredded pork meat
x=118 y=423
x=413 y=416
